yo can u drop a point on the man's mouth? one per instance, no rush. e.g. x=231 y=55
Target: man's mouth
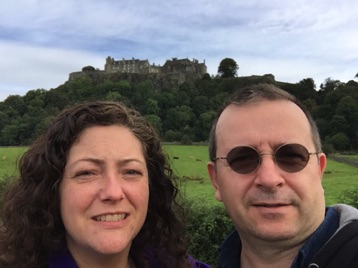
x=270 y=205
x=111 y=217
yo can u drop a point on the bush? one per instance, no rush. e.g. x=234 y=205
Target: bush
x=350 y=197
x=185 y=140
x=4 y=181
x=340 y=141
x=193 y=178
x=172 y=135
x=207 y=228
x=328 y=148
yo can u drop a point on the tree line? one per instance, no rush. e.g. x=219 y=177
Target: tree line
x=181 y=113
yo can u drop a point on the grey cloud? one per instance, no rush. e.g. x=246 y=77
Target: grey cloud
x=291 y=39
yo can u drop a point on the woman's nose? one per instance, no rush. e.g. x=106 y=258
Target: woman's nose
x=112 y=187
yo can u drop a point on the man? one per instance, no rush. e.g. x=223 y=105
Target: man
x=266 y=167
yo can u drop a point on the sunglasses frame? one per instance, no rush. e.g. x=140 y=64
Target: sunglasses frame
x=307 y=155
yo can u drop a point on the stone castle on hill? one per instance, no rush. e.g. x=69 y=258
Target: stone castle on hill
x=178 y=70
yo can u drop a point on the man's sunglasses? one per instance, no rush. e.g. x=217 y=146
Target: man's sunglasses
x=289 y=157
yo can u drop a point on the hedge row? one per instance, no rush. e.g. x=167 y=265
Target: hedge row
x=208 y=226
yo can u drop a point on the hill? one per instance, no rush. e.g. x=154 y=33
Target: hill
x=181 y=112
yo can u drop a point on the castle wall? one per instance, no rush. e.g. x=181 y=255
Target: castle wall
x=126 y=66
x=179 y=70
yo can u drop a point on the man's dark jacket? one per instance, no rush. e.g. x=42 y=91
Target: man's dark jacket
x=339 y=232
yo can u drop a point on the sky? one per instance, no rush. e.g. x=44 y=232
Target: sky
x=42 y=41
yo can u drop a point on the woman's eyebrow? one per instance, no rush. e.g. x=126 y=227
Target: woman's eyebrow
x=101 y=162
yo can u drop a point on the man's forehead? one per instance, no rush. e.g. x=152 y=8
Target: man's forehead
x=262 y=117
x=282 y=105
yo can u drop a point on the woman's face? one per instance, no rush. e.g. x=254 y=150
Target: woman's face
x=104 y=192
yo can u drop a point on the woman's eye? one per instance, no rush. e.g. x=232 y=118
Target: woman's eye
x=133 y=172
x=84 y=173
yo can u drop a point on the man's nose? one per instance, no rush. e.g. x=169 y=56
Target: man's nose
x=268 y=175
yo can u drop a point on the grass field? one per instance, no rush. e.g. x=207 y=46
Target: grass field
x=9 y=157
x=190 y=161
x=337 y=178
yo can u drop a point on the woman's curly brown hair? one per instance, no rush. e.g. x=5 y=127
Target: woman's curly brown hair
x=32 y=227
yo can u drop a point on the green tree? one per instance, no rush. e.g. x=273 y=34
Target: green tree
x=140 y=92
x=15 y=105
x=56 y=99
x=206 y=76
x=330 y=85
x=180 y=112
x=178 y=117
x=152 y=107
x=340 y=141
x=203 y=125
x=104 y=88
x=171 y=135
x=184 y=98
x=307 y=89
x=166 y=101
x=88 y=69
x=311 y=105
x=9 y=135
x=200 y=104
x=308 y=83
x=113 y=96
x=155 y=121
x=216 y=101
x=228 y=68
x=124 y=87
x=80 y=89
x=348 y=108
x=189 y=88
x=4 y=120
x=338 y=124
x=324 y=127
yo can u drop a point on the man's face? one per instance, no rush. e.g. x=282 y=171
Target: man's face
x=268 y=204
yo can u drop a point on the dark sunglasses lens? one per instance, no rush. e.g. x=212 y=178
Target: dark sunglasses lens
x=292 y=157
x=243 y=159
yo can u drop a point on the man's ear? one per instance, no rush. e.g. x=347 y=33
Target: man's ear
x=322 y=163
x=213 y=177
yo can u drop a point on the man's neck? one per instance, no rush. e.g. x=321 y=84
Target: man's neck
x=267 y=256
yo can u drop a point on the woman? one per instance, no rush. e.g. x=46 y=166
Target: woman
x=94 y=191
